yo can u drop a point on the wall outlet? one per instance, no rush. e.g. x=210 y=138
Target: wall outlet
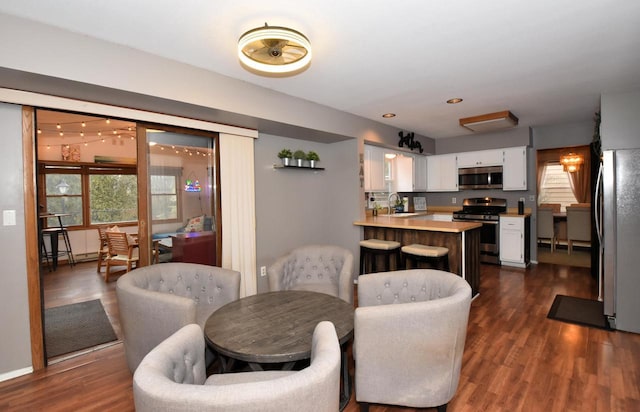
x=453 y=200
x=532 y=198
x=263 y=271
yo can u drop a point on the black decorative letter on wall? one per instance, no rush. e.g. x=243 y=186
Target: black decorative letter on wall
x=408 y=140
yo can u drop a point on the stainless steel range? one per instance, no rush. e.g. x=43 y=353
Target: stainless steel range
x=485 y=210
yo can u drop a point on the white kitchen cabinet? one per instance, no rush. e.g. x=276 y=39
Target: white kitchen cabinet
x=402 y=174
x=514 y=241
x=419 y=173
x=514 y=168
x=442 y=173
x=374 y=180
x=480 y=158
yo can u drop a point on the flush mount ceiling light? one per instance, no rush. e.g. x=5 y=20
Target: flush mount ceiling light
x=272 y=49
x=490 y=122
x=455 y=100
x=389 y=115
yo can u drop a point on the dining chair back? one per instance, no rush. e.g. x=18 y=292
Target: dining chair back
x=546 y=229
x=122 y=252
x=103 y=248
x=578 y=225
x=554 y=206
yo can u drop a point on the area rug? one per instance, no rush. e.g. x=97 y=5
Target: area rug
x=579 y=258
x=580 y=311
x=70 y=328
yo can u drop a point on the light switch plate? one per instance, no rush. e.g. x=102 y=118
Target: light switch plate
x=8 y=217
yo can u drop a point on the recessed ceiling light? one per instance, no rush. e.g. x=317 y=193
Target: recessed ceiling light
x=454 y=100
x=389 y=115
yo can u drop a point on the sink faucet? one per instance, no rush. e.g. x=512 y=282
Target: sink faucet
x=389 y=201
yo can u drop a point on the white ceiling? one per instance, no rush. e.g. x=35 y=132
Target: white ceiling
x=547 y=61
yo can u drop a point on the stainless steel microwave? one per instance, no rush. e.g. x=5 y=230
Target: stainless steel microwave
x=489 y=177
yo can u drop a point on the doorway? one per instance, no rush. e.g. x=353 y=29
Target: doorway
x=560 y=187
x=151 y=181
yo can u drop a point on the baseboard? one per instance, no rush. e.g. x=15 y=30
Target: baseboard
x=16 y=373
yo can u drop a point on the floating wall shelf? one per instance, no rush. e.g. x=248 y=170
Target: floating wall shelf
x=297 y=167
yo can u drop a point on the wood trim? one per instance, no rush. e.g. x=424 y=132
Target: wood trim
x=489 y=116
x=217 y=204
x=144 y=208
x=34 y=289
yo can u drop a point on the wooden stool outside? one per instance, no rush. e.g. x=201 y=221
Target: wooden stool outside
x=370 y=249
x=437 y=257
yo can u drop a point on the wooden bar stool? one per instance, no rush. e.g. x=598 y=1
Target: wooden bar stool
x=370 y=249
x=437 y=257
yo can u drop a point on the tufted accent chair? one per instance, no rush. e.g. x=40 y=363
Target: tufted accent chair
x=317 y=268
x=155 y=301
x=172 y=378
x=409 y=334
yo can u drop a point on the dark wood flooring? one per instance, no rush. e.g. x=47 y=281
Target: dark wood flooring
x=515 y=358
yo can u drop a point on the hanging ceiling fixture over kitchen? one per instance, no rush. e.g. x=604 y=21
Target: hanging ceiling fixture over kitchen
x=272 y=49
x=571 y=162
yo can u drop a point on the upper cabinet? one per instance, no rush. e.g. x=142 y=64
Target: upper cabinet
x=419 y=173
x=442 y=173
x=480 y=158
x=514 y=168
x=402 y=173
x=387 y=170
x=374 y=173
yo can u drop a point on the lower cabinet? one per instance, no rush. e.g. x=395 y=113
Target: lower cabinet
x=515 y=241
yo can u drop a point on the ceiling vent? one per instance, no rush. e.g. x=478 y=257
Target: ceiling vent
x=490 y=122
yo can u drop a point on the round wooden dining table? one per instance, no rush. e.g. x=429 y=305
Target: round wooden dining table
x=276 y=328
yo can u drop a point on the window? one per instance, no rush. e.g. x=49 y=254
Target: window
x=555 y=186
x=164 y=194
x=113 y=198
x=64 y=195
x=91 y=194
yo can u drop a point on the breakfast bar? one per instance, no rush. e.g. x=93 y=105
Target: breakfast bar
x=461 y=238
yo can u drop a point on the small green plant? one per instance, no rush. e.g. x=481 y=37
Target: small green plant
x=313 y=156
x=285 y=154
x=299 y=154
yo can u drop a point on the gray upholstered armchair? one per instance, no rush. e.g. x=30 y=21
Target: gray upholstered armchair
x=157 y=300
x=317 y=268
x=172 y=378
x=410 y=329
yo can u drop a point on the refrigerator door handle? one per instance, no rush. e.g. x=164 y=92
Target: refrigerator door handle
x=597 y=215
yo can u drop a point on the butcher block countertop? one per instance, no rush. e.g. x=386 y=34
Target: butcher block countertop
x=417 y=224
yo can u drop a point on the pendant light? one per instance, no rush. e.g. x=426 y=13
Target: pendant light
x=571 y=162
x=272 y=49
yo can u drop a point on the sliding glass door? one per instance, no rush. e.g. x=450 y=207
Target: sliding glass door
x=178 y=192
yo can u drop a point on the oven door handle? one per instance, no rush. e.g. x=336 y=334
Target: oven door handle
x=489 y=222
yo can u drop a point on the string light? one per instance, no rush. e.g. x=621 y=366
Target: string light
x=81 y=130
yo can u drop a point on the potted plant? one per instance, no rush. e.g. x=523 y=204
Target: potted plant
x=299 y=155
x=285 y=155
x=313 y=157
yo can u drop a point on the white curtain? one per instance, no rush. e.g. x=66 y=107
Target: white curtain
x=238 y=209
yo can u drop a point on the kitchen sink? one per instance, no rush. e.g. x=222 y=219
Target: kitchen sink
x=404 y=214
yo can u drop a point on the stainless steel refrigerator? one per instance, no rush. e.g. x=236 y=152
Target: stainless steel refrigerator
x=618 y=226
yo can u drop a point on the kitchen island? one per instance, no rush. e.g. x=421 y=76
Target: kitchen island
x=461 y=238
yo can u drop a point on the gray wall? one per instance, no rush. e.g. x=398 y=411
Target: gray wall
x=563 y=135
x=296 y=207
x=15 y=350
x=520 y=136
x=620 y=128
